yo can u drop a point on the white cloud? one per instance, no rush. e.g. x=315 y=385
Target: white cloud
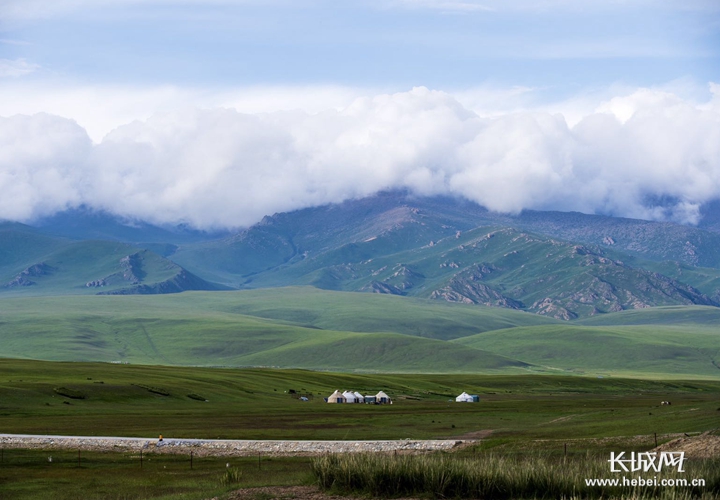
x=43 y=165
x=648 y=153
x=14 y=68
x=102 y=108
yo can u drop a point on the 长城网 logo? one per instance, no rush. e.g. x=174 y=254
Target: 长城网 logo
x=647 y=461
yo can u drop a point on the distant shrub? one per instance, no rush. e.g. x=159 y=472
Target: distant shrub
x=69 y=393
x=154 y=390
x=196 y=397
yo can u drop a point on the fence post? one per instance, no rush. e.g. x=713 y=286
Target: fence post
x=258 y=460
x=78 y=458
x=566 y=449
x=191 y=454
x=141 y=459
x=655 y=433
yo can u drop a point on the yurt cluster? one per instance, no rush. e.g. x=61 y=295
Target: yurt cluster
x=355 y=397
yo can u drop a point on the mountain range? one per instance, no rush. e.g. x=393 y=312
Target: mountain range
x=562 y=265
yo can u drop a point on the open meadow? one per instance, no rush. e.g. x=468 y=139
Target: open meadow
x=516 y=415
x=303 y=327
x=233 y=365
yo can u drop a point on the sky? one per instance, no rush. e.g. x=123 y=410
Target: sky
x=215 y=113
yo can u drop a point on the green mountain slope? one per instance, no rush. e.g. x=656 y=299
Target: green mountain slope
x=650 y=240
x=36 y=264
x=492 y=266
x=84 y=223
x=561 y=265
x=448 y=250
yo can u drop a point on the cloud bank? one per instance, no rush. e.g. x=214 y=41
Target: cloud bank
x=646 y=154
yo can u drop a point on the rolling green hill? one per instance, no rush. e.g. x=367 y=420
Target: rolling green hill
x=342 y=331
x=195 y=329
x=37 y=264
x=694 y=316
x=312 y=307
x=617 y=350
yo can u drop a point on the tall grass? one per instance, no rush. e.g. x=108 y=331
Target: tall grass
x=498 y=477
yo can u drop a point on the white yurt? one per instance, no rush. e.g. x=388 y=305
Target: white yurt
x=464 y=398
x=381 y=397
x=336 y=397
x=350 y=397
x=360 y=398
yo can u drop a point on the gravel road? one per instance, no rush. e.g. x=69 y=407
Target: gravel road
x=220 y=447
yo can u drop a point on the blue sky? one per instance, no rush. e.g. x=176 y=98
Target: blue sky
x=217 y=112
x=561 y=46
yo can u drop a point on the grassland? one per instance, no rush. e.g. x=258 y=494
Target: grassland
x=254 y=404
x=304 y=327
x=655 y=350
x=521 y=413
x=495 y=477
x=29 y=474
x=207 y=329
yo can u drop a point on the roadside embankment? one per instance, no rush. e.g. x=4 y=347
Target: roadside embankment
x=218 y=447
x=706 y=445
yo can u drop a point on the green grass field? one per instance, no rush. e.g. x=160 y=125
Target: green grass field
x=307 y=328
x=522 y=413
x=28 y=474
x=207 y=329
x=655 y=350
x=253 y=403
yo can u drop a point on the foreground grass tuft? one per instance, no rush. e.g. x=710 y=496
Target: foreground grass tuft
x=496 y=477
x=232 y=475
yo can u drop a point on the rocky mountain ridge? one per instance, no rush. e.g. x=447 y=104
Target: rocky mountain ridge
x=563 y=265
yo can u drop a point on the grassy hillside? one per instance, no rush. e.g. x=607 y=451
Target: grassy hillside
x=36 y=264
x=357 y=312
x=435 y=248
x=669 y=315
x=659 y=241
x=204 y=329
x=317 y=329
x=485 y=265
x=611 y=350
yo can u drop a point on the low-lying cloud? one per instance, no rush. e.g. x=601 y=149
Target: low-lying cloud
x=648 y=154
